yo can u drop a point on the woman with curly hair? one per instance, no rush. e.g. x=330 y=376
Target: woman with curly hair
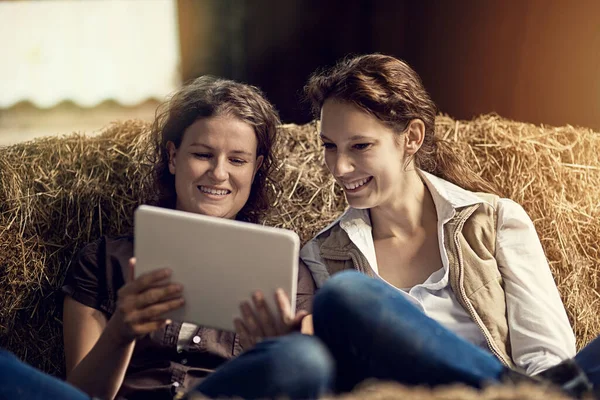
x=214 y=147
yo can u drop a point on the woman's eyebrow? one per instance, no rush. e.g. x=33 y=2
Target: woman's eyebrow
x=360 y=137
x=355 y=137
x=242 y=152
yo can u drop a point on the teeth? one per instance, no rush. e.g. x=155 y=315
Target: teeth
x=355 y=184
x=218 y=192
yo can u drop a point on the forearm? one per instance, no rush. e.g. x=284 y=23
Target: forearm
x=101 y=372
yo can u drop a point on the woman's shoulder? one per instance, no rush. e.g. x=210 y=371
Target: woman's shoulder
x=106 y=247
x=97 y=272
x=511 y=213
x=503 y=210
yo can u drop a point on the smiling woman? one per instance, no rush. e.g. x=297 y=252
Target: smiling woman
x=214 y=142
x=220 y=126
x=214 y=166
x=462 y=290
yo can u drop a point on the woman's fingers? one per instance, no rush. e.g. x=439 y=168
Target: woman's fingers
x=130 y=276
x=157 y=295
x=283 y=306
x=250 y=320
x=158 y=310
x=146 y=281
x=153 y=312
x=291 y=321
x=149 y=327
x=143 y=301
x=150 y=279
x=296 y=322
x=268 y=324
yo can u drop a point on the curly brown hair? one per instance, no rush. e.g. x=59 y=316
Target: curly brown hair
x=206 y=97
x=392 y=91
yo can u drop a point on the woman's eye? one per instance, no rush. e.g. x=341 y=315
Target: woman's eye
x=238 y=161
x=203 y=156
x=362 y=146
x=328 y=146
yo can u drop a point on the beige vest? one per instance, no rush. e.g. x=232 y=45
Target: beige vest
x=470 y=241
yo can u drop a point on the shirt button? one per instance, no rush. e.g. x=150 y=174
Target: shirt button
x=196 y=339
x=184 y=361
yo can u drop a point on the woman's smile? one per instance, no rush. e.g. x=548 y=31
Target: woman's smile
x=356 y=186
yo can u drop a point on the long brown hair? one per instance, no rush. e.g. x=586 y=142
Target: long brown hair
x=392 y=91
x=207 y=97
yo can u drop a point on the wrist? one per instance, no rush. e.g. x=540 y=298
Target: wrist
x=114 y=333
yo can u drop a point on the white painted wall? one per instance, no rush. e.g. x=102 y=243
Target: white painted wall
x=88 y=51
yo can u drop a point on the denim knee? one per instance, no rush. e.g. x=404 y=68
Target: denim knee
x=307 y=354
x=7 y=360
x=351 y=295
x=6 y=355
x=304 y=362
x=344 y=291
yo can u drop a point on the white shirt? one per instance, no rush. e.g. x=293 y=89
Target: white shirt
x=540 y=333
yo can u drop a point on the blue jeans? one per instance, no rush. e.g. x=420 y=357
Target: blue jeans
x=21 y=381
x=364 y=329
x=588 y=359
x=372 y=331
x=295 y=366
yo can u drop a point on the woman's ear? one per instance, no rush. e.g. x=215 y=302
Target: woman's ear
x=413 y=139
x=172 y=150
x=259 y=161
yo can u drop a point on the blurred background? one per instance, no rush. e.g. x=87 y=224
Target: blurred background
x=77 y=65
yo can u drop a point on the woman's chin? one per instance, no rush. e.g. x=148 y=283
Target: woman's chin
x=208 y=210
x=215 y=211
x=360 y=204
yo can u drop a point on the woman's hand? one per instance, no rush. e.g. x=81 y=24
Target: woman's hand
x=141 y=304
x=258 y=322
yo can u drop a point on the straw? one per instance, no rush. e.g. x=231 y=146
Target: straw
x=58 y=193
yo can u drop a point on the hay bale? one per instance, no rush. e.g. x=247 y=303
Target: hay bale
x=554 y=173
x=307 y=198
x=394 y=391
x=56 y=194
x=377 y=390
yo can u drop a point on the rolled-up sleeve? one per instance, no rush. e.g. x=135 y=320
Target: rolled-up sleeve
x=310 y=256
x=86 y=280
x=306 y=288
x=540 y=333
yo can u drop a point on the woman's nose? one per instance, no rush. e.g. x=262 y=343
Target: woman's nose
x=342 y=166
x=219 y=170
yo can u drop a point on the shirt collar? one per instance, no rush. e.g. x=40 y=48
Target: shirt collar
x=357 y=225
x=447 y=196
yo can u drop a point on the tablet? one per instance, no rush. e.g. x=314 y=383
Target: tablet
x=219 y=262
